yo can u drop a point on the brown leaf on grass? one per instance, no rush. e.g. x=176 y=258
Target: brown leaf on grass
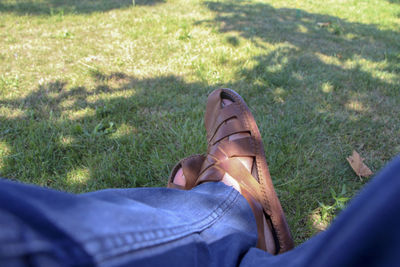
x=323 y=24
x=356 y=163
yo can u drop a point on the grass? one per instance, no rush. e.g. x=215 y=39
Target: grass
x=105 y=94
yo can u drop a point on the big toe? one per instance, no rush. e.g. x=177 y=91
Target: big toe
x=179 y=178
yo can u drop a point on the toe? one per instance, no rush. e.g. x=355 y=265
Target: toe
x=179 y=178
x=226 y=102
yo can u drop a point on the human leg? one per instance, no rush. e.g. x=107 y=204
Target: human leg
x=210 y=225
x=41 y=226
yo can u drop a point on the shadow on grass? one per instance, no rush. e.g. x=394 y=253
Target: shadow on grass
x=114 y=135
x=315 y=65
x=321 y=86
x=50 y=7
x=318 y=33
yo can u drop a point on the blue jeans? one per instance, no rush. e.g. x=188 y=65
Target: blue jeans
x=211 y=225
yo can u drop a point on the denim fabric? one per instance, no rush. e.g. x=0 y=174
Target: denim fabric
x=211 y=225
x=117 y=227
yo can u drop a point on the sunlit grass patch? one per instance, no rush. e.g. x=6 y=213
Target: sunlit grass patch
x=78 y=176
x=4 y=152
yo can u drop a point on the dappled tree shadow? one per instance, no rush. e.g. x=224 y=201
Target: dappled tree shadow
x=312 y=50
x=324 y=34
x=308 y=62
x=57 y=132
x=50 y=7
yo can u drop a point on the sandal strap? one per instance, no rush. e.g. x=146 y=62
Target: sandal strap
x=227 y=129
x=212 y=174
x=214 y=170
x=225 y=114
x=214 y=102
x=235 y=168
x=191 y=167
x=259 y=216
x=242 y=147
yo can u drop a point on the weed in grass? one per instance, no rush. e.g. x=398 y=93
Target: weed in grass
x=101 y=129
x=325 y=213
x=184 y=32
x=336 y=29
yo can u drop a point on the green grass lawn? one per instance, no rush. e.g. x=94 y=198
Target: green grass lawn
x=104 y=94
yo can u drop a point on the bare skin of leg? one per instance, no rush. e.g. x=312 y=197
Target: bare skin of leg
x=179 y=178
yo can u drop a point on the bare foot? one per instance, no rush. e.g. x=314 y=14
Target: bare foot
x=179 y=178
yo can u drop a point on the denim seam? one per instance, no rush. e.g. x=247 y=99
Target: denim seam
x=115 y=245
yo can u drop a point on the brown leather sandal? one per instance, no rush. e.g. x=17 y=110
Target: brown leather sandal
x=256 y=186
x=191 y=168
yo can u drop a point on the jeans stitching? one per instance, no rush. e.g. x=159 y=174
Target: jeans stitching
x=114 y=245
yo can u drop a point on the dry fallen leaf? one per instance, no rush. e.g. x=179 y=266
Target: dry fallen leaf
x=356 y=163
x=323 y=24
